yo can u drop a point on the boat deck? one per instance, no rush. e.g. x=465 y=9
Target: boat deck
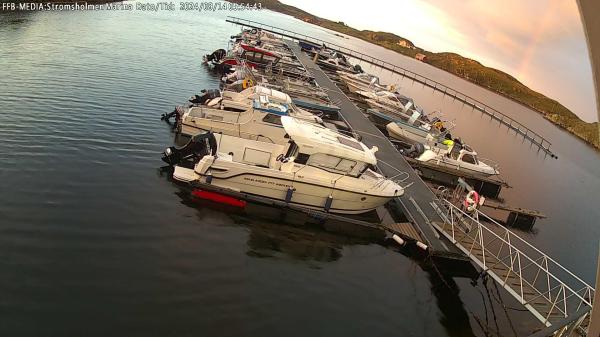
x=417 y=199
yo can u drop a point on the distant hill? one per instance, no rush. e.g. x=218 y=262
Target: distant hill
x=471 y=70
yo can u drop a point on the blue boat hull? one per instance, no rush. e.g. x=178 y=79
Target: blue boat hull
x=308 y=46
x=316 y=106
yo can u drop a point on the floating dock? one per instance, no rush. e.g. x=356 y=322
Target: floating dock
x=513 y=216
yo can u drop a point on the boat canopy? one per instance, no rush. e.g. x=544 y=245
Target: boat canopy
x=255 y=92
x=313 y=138
x=263 y=51
x=273 y=94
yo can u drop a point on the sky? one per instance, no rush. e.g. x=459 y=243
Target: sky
x=540 y=42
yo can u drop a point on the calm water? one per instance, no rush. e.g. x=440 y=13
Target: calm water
x=95 y=241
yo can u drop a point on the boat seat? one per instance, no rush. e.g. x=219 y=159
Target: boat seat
x=287 y=167
x=204 y=164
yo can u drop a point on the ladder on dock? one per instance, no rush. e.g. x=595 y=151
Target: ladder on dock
x=528 y=134
x=549 y=291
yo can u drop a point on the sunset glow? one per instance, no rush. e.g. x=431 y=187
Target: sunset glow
x=539 y=42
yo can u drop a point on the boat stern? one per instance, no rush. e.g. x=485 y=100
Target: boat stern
x=184 y=174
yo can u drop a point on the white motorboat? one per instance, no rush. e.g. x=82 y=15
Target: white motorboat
x=317 y=168
x=255 y=34
x=417 y=131
x=361 y=82
x=453 y=155
x=417 y=128
x=391 y=102
x=254 y=113
x=303 y=92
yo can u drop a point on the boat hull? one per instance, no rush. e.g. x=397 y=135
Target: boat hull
x=408 y=133
x=458 y=167
x=305 y=193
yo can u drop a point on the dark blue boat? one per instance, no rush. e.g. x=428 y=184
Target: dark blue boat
x=328 y=108
x=304 y=45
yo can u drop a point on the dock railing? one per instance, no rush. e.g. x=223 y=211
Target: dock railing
x=503 y=119
x=546 y=288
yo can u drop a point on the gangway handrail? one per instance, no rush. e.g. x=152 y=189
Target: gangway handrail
x=519 y=127
x=510 y=239
x=518 y=237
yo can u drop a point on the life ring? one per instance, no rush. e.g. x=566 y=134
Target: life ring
x=471 y=201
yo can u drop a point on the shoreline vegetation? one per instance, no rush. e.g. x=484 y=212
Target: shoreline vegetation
x=489 y=78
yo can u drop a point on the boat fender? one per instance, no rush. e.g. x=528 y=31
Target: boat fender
x=416 y=150
x=422 y=245
x=214 y=102
x=328 y=203
x=398 y=239
x=209 y=179
x=289 y=194
x=471 y=201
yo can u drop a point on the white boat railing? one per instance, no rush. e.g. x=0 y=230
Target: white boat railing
x=491 y=163
x=541 y=284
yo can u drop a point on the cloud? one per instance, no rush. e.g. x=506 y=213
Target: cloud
x=540 y=42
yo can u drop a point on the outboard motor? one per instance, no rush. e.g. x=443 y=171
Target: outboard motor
x=177 y=113
x=216 y=56
x=415 y=150
x=199 y=146
x=205 y=96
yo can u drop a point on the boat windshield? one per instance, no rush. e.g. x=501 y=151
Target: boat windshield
x=469 y=158
x=349 y=142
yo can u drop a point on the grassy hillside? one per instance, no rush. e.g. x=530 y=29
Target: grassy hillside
x=471 y=70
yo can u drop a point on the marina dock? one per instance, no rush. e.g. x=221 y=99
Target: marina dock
x=527 y=274
x=528 y=134
x=557 y=298
x=416 y=201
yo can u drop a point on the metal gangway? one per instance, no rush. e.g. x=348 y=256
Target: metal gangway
x=533 y=137
x=554 y=295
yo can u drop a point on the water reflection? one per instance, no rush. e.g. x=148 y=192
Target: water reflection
x=275 y=231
